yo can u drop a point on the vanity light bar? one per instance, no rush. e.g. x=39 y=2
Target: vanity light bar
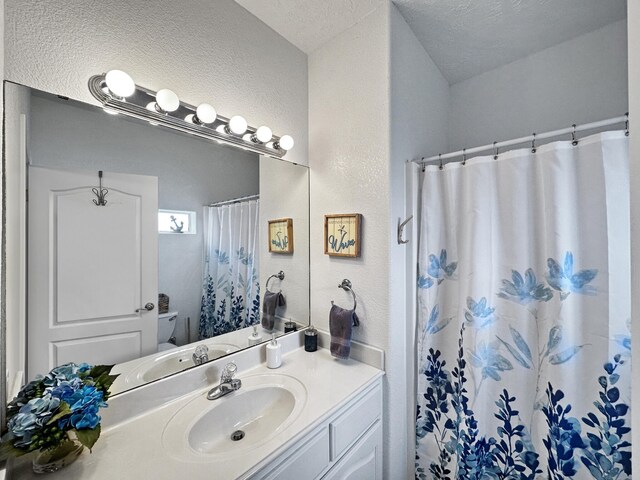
x=146 y=104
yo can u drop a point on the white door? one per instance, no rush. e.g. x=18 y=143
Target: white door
x=90 y=268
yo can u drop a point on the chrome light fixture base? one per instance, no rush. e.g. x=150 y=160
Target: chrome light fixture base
x=136 y=106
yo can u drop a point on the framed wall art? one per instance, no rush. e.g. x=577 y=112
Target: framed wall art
x=281 y=235
x=342 y=234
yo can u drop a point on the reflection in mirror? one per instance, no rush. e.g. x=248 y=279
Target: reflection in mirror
x=112 y=280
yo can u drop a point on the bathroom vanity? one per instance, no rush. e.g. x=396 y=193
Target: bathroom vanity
x=314 y=417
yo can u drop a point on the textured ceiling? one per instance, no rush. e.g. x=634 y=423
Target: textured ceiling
x=468 y=37
x=310 y=23
x=463 y=37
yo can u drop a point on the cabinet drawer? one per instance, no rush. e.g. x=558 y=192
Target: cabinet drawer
x=350 y=426
x=308 y=462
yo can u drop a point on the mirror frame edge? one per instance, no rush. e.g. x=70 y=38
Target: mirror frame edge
x=3 y=277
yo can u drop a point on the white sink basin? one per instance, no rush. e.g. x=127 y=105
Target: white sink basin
x=265 y=406
x=175 y=361
x=159 y=365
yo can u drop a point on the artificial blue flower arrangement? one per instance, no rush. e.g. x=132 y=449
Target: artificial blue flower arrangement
x=52 y=413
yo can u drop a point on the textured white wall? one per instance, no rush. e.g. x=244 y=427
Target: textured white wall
x=191 y=173
x=375 y=100
x=419 y=119
x=205 y=51
x=578 y=81
x=349 y=160
x=634 y=155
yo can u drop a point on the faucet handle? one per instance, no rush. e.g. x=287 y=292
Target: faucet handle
x=201 y=350
x=200 y=355
x=228 y=372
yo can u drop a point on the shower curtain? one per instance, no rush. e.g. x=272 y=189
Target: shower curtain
x=523 y=341
x=230 y=292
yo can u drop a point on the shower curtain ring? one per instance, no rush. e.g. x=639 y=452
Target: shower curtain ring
x=626 y=125
x=533 y=143
x=464 y=156
x=424 y=167
x=574 y=140
x=440 y=158
x=495 y=150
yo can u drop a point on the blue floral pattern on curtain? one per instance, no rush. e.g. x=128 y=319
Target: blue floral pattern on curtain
x=231 y=290
x=509 y=382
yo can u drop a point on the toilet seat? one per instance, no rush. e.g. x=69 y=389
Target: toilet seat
x=163 y=347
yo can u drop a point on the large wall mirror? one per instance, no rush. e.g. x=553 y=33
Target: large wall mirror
x=163 y=260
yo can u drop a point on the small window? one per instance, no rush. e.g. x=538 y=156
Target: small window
x=176 y=221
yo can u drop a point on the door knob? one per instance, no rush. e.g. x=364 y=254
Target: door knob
x=148 y=307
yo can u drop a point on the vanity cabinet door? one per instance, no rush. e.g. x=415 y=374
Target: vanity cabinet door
x=363 y=461
x=308 y=463
x=355 y=420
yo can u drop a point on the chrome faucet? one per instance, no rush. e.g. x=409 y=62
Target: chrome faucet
x=201 y=355
x=228 y=384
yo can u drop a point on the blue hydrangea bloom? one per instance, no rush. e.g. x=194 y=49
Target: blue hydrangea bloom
x=562 y=278
x=65 y=372
x=84 y=403
x=31 y=418
x=65 y=388
x=524 y=290
x=85 y=418
x=85 y=396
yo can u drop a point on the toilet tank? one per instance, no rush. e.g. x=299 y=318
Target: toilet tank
x=166 y=326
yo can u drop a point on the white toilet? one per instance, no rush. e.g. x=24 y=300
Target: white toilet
x=166 y=326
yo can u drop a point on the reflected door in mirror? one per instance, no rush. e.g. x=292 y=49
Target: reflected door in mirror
x=90 y=267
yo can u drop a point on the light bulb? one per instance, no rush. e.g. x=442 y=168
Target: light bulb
x=120 y=83
x=238 y=125
x=285 y=142
x=167 y=101
x=263 y=134
x=205 y=113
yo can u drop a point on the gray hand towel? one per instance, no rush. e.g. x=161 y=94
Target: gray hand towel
x=270 y=302
x=340 y=325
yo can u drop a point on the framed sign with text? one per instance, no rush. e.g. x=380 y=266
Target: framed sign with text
x=342 y=235
x=281 y=235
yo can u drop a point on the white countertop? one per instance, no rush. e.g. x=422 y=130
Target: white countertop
x=134 y=449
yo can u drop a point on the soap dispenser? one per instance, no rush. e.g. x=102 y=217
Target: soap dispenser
x=274 y=353
x=255 y=338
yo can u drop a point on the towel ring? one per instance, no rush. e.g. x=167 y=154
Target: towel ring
x=346 y=286
x=279 y=276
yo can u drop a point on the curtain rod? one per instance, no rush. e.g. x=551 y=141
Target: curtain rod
x=235 y=200
x=530 y=138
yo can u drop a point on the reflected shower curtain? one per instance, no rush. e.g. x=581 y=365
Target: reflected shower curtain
x=523 y=341
x=230 y=292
